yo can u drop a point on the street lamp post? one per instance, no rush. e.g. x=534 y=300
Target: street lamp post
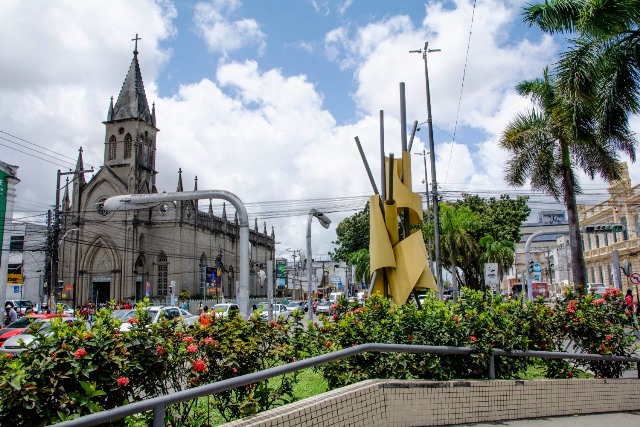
x=426 y=188
x=432 y=157
x=141 y=201
x=325 y=222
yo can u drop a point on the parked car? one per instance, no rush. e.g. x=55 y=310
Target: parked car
x=225 y=309
x=324 y=307
x=22 y=341
x=155 y=313
x=20 y=325
x=596 y=288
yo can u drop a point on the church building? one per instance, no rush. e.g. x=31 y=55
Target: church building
x=126 y=256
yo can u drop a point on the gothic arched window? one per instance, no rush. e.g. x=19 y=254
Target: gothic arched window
x=163 y=265
x=127 y=146
x=203 y=273
x=112 y=147
x=141 y=243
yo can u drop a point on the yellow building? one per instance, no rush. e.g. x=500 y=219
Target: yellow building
x=622 y=207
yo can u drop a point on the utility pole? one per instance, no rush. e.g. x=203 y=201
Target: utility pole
x=55 y=256
x=432 y=157
x=426 y=188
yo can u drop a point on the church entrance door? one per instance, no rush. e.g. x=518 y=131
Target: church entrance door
x=101 y=292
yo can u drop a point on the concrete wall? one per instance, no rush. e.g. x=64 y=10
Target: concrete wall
x=432 y=403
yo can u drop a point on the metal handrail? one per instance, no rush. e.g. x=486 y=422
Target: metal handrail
x=158 y=404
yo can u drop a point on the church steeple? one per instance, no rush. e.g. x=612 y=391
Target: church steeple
x=179 y=180
x=132 y=101
x=79 y=168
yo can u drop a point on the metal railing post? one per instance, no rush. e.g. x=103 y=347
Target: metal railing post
x=158 y=416
x=492 y=365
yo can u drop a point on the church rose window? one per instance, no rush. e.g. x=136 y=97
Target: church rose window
x=100 y=208
x=112 y=147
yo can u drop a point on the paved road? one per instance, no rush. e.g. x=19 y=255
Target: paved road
x=617 y=419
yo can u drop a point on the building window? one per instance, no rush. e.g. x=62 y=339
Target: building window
x=593 y=275
x=203 y=274
x=606 y=239
x=16 y=244
x=162 y=274
x=141 y=243
x=625 y=231
x=609 y=276
x=597 y=241
x=127 y=146
x=112 y=147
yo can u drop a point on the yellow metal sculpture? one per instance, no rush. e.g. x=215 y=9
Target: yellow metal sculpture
x=399 y=266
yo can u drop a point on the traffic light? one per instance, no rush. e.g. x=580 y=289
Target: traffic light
x=530 y=266
x=605 y=228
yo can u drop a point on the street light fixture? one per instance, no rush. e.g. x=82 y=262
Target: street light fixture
x=325 y=221
x=141 y=201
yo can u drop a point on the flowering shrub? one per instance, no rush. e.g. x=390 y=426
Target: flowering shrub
x=75 y=370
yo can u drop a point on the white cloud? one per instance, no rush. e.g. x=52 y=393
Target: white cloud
x=256 y=131
x=221 y=33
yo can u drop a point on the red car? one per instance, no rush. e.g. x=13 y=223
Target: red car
x=22 y=324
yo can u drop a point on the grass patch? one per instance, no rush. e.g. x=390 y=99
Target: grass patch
x=310 y=383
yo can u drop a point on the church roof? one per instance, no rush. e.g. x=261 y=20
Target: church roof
x=132 y=101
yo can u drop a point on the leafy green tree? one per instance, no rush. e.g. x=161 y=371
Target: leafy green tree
x=501 y=219
x=547 y=143
x=501 y=252
x=353 y=235
x=361 y=260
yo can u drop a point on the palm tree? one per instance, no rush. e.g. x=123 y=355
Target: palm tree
x=558 y=134
x=501 y=252
x=603 y=67
x=455 y=237
x=360 y=259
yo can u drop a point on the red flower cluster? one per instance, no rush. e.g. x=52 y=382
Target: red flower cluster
x=122 y=381
x=133 y=320
x=192 y=348
x=208 y=340
x=187 y=339
x=328 y=344
x=571 y=308
x=199 y=365
x=159 y=350
x=608 y=337
x=598 y=301
x=81 y=352
x=456 y=319
x=473 y=338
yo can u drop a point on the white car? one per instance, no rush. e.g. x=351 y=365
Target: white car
x=225 y=309
x=325 y=307
x=157 y=312
x=295 y=305
x=279 y=310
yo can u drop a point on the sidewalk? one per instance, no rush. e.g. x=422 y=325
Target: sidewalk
x=616 y=419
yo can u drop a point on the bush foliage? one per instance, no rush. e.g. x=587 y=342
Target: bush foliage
x=76 y=370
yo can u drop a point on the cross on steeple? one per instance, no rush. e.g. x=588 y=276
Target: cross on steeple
x=136 y=40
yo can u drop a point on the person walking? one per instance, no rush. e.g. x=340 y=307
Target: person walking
x=628 y=299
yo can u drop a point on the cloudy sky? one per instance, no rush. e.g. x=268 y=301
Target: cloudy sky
x=263 y=98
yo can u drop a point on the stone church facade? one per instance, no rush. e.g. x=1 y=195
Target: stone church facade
x=128 y=255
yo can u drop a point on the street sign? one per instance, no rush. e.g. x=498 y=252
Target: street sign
x=537 y=267
x=635 y=278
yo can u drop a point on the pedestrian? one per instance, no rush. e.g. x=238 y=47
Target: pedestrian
x=205 y=318
x=628 y=299
x=10 y=314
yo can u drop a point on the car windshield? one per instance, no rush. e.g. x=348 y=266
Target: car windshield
x=294 y=304
x=325 y=303
x=20 y=323
x=220 y=308
x=24 y=304
x=120 y=314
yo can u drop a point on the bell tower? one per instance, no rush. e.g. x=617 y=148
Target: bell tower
x=130 y=137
